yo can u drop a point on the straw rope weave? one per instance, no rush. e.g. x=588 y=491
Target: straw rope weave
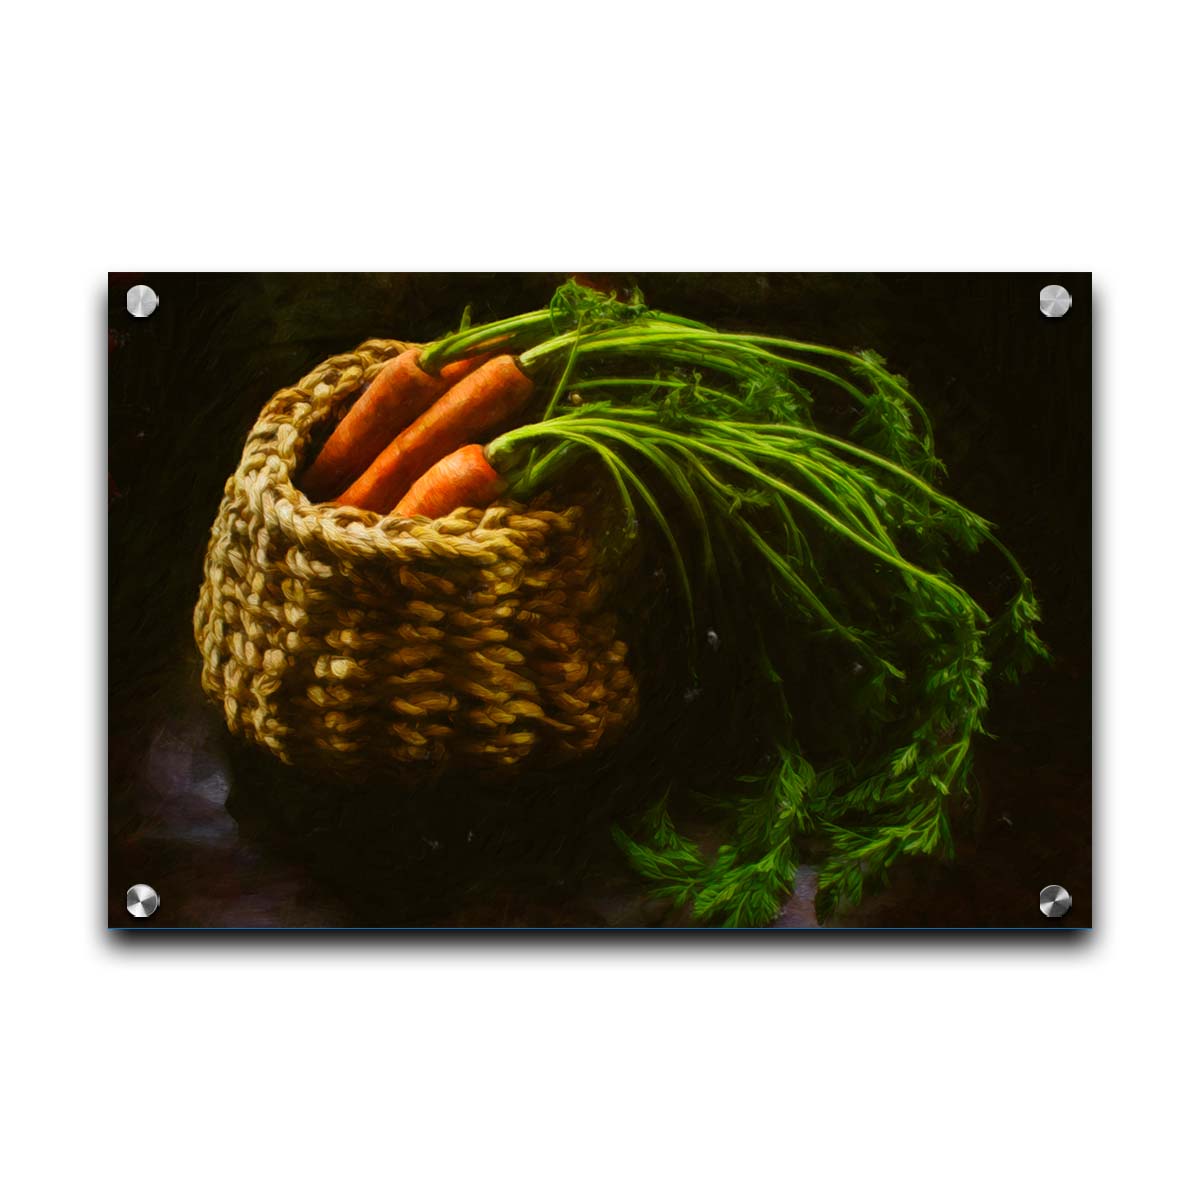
x=338 y=638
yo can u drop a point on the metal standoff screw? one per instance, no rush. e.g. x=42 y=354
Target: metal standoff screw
x=1055 y=901
x=141 y=300
x=1056 y=300
x=141 y=900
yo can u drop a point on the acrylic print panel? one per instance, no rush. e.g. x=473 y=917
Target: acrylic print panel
x=531 y=600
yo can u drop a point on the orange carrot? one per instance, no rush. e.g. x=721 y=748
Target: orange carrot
x=485 y=399
x=395 y=397
x=464 y=479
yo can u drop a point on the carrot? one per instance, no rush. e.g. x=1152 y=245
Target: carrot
x=485 y=399
x=464 y=479
x=395 y=397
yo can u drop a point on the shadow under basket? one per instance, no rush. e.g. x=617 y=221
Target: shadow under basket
x=343 y=640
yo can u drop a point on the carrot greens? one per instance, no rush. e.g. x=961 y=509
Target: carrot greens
x=805 y=477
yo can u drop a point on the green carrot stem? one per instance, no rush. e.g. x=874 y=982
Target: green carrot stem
x=619 y=469
x=679 y=481
x=886 y=464
x=809 y=597
x=754 y=472
x=527 y=327
x=692 y=346
x=789 y=430
x=792 y=432
x=858 y=361
x=561 y=386
x=595 y=429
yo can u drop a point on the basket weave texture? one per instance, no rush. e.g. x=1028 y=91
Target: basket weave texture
x=340 y=639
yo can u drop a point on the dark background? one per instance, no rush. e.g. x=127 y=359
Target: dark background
x=230 y=838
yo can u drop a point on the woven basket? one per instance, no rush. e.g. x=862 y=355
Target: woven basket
x=340 y=639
